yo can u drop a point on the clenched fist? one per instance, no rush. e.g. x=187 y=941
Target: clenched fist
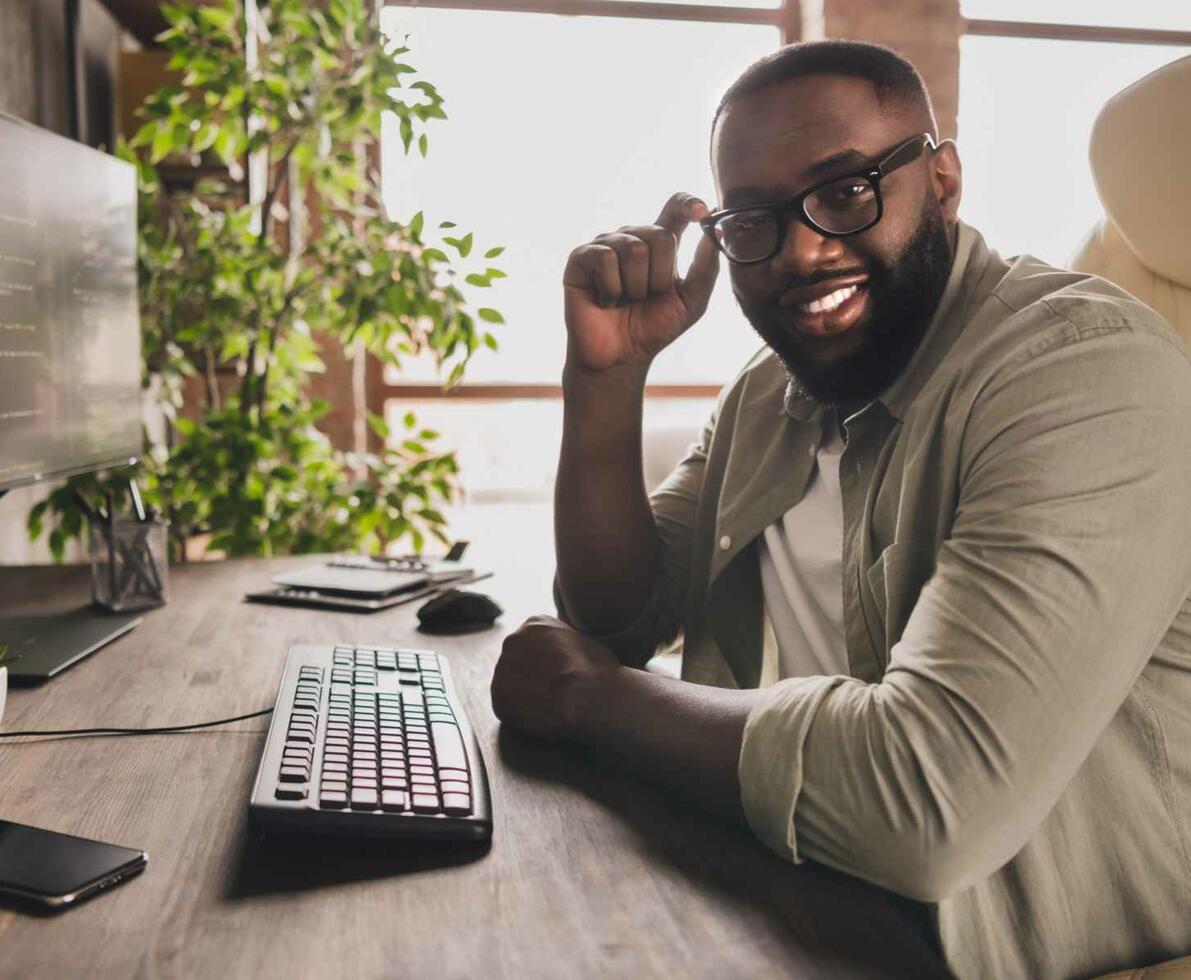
x=624 y=300
x=546 y=673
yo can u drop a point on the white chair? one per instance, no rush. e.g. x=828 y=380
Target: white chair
x=1141 y=156
x=1140 y=151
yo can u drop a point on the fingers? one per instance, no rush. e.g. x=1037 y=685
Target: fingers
x=634 y=262
x=595 y=269
x=695 y=289
x=680 y=211
x=627 y=265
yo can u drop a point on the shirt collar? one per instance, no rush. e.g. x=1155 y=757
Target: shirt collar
x=971 y=256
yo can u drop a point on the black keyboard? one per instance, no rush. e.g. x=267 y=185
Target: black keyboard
x=371 y=742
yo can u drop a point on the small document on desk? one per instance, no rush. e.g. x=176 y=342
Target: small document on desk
x=355 y=576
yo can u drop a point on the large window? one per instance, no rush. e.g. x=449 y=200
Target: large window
x=560 y=128
x=1027 y=104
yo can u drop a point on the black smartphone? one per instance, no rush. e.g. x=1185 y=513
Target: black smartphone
x=57 y=870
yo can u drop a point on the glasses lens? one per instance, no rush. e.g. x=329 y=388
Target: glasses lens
x=843 y=206
x=747 y=236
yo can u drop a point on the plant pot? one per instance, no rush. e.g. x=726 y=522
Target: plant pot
x=3 y=689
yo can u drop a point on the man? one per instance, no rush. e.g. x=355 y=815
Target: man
x=945 y=511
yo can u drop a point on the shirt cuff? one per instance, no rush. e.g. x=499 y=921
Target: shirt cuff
x=770 y=767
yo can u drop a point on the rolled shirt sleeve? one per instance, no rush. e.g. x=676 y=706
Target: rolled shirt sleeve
x=1067 y=560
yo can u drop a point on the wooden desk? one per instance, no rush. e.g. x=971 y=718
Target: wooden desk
x=590 y=872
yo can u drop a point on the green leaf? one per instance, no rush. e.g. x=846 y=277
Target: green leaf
x=446 y=224
x=378 y=425
x=490 y=316
x=494 y=252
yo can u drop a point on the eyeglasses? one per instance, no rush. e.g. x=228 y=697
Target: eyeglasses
x=836 y=207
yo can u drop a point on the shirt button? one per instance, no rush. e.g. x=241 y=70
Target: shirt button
x=725 y=543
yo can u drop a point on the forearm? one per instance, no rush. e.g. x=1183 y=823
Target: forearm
x=605 y=537
x=684 y=736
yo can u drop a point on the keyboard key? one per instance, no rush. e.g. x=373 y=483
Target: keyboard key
x=425 y=803
x=453 y=786
x=332 y=801
x=295 y=774
x=334 y=785
x=393 y=782
x=301 y=735
x=418 y=770
x=291 y=792
x=456 y=803
x=364 y=799
x=420 y=784
x=452 y=775
x=393 y=800
x=448 y=746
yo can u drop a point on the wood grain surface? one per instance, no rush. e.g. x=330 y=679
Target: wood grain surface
x=591 y=872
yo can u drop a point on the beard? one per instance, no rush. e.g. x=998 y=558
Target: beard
x=903 y=296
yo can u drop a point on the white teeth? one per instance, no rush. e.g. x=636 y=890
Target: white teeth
x=829 y=302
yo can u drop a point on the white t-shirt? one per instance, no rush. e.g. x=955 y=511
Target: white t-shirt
x=801 y=557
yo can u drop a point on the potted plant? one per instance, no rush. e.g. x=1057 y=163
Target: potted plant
x=240 y=295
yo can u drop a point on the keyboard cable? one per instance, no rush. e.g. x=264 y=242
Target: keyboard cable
x=163 y=730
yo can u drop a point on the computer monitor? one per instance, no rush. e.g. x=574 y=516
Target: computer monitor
x=70 y=339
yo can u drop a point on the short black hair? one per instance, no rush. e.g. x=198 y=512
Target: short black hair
x=896 y=80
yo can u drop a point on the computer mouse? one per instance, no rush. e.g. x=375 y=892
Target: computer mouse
x=458 y=611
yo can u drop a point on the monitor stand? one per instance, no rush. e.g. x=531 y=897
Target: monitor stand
x=44 y=644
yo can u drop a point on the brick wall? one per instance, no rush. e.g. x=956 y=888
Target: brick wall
x=925 y=31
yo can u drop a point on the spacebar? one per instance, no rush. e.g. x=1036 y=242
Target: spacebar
x=448 y=746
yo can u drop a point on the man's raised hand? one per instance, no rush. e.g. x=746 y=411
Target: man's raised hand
x=624 y=301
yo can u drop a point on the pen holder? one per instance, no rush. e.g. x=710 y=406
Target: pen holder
x=129 y=564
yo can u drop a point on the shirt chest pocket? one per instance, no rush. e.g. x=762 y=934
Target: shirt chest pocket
x=894 y=581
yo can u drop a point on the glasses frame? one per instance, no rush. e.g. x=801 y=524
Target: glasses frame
x=905 y=152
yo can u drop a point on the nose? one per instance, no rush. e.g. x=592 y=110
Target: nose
x=805 y=250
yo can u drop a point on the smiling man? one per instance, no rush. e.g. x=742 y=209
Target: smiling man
x=930 y=559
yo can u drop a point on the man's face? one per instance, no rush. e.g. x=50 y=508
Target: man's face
x=887 y=281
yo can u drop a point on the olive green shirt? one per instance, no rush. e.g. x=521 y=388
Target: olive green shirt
x=1012 y=741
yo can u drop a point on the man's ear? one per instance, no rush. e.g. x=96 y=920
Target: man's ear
x=947 y=179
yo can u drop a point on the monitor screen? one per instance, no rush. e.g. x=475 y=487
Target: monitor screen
x=70 y=340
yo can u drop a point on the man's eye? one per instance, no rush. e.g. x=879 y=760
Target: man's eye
x=748 y=222
x=848 y=192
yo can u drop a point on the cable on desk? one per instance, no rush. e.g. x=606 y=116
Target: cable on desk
x=166 y=730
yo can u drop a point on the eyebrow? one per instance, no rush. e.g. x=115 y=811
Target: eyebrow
x=841 y=163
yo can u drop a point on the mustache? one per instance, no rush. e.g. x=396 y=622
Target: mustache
x=818 y=277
